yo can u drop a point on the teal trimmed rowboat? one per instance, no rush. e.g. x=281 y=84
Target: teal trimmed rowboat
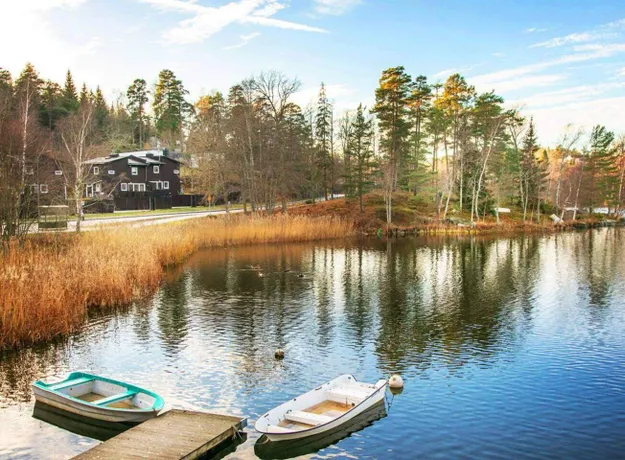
x=99 y=398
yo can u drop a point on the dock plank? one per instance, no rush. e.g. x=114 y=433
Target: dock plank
x=177 y=434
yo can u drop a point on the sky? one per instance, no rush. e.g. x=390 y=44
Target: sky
x=560 y=61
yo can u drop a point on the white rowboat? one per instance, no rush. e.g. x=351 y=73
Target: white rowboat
x=323 y=409
x=99 y=398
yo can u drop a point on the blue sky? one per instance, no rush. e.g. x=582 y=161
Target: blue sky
x=561 y=61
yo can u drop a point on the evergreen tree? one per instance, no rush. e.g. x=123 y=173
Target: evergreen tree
x=323 y=136
x=137 y=95
x=28 y=82
x=100 y=112
x=84 y=97
x=170 y=107
x=454 y=103
x=70 y=102
x=391 y=108
x=51 y=109
x=601 y=166
x=360 y=180
x=419 y=103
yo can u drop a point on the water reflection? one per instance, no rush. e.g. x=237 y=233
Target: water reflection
x=266 y=449
x=496 y=338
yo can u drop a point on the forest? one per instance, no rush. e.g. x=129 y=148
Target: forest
x=444 y=144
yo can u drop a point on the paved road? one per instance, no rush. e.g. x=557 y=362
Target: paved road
x=140 y=221
x=153 y=219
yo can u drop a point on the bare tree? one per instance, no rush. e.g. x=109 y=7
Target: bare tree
x=77 y=140
x=568 y=141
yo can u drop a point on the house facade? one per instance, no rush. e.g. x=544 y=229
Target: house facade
x=146 y=179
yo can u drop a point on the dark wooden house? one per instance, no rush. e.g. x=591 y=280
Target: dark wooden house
x=148 y=179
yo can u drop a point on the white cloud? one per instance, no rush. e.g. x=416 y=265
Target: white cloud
x=520 y=77
x=573 y=38
x=532 y=30
x=567 y=95
x=207 y=21
x=499 y=55
x=26 y=25
x=334 y=7
x=245 y=39
x=309 y=95
x=550 y=122
x=443 y=74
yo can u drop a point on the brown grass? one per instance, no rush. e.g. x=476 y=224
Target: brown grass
x=47 y=285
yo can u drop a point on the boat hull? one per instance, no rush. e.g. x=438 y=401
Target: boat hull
x=99 y=413
x=376 y=397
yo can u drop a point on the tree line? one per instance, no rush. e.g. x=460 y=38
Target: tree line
x=445 y=144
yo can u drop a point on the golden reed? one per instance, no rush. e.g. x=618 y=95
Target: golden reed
x=47 y=285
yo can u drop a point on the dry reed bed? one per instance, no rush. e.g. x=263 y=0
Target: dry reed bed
x=47 y=285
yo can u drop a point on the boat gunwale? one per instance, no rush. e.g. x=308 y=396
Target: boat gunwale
x=383 y=387
x=158 y=405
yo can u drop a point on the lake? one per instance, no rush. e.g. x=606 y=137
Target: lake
x=509 y=347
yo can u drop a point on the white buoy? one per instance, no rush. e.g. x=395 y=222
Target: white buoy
x=396 y=381
x=279 y=354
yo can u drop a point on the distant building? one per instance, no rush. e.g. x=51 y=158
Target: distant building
x=146 y=179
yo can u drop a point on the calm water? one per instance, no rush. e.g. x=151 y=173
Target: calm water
x=509 y=347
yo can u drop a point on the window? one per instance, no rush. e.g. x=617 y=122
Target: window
x=166 y=185
x=96 y=170
x=158 y=185
x=111 y=172
x=98 y=187
x=157 y=169
x=134 y=171
x=58 y=172
x=176 y=171
x=124 y=186
x=43 y=188
x=137 y=187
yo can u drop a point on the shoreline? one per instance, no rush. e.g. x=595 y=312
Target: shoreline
x=52 y=283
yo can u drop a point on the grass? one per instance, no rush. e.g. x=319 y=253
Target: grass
x=49 y=283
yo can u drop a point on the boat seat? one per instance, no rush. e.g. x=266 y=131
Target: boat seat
x=347 y=395
x=114 y=398
x=70 y=383
x=277 y=429
x=307 y=418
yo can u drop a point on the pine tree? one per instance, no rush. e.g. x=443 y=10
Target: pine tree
x=84 y=97
x=70 y=102
x=419 y=102
x=100 y=111
x=170 y=107
x=323 y=136
x=601 y=167
x=391 y=108
x=28 y=82
x=360 y=147
x=137 y=95
x=51 y=109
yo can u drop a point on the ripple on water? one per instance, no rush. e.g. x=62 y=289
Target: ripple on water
x=509 y=348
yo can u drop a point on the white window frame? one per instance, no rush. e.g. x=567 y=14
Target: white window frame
x=134 y=170
x=43 y=188
x=96 y=170
x=58 y=172
x=124 y=186
x=137 y=187
x=111 y=172
x=156 y=169
x=166 y=185
x=176 y=171
x=98 y=187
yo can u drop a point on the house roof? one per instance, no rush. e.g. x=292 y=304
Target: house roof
x=138 y=158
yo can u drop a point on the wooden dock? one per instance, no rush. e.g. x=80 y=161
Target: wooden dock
x=177 y=434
